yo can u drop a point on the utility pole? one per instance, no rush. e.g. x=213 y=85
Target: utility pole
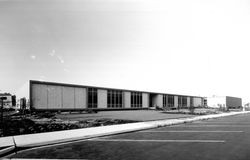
x=2 y=123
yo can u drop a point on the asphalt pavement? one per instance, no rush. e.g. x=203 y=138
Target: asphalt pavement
x=222 y=138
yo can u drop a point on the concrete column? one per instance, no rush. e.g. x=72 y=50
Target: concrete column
x=176 y=101
x=102 y=98
x=159 y=100
x=188 y=101
x=145 y=100
x=127 y=99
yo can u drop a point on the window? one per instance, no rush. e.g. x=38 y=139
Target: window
x=182 y=101
x=165 y=102
x=191 y=102
x=205 y=102
x=92 y=98
x=115 y=99
x=179 y=101
x=136 y=100
x=170 y=101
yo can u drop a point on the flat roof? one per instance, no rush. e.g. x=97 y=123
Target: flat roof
x=5 y=94
x=107 y=88
x=223 y=97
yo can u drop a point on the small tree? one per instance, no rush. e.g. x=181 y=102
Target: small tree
x=178 y=108
x=13 y=100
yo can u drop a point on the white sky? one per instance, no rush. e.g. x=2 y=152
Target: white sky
x=196 y=47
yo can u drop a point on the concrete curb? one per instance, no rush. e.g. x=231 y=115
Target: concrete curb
x=34 y=140
x=49 y=138
x=7 y=144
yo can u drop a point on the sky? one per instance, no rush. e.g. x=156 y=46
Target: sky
x=195 y=47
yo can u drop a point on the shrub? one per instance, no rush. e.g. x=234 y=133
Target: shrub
x=46 y=115
x=17 y=126
x=8 y=109
x=191 y=109
x=223 y=108
x=89 y=110
x=158 y=108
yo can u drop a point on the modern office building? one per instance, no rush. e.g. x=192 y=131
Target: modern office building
x=59 y=96
x=224 y=101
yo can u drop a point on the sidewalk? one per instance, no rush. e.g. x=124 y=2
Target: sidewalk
x=8 y=144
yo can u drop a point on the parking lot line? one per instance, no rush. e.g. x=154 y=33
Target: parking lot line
x=205 y=125
x=36 y=159
x=157 y=140
x=189 y=131
x=220 y=122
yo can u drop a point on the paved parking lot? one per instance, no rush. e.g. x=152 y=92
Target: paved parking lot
x=223 y=138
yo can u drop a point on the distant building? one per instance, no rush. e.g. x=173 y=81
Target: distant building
x=247 y=106
x=224 y=101
x=58 y=96
x=8 y=102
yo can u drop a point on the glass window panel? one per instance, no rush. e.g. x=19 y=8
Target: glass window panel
x=92 y=98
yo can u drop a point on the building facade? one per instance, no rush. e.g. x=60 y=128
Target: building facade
x=59 y=96
x=224 y=101
x=7 y=103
